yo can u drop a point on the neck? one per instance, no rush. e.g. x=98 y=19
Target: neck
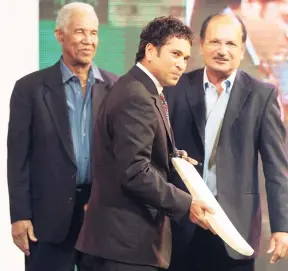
x=216 y=78
x=79 y=70
x=147 y=65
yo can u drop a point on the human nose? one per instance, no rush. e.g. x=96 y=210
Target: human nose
x=182 y=64
x=88 y=38
x=221 y=49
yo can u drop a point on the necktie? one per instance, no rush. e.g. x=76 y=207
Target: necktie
x=165 y=105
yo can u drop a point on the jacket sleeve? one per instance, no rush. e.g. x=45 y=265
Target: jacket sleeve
x=275 y=165
x=18 y=149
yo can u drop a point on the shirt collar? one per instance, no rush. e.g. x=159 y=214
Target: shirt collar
x=156 y=82
x=67 y=73
x=226 y=84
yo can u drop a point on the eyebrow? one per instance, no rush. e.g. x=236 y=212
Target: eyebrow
x=226 y=41
x=85 y=29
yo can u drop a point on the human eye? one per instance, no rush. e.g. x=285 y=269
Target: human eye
x=79 y=31
x=231 y=44
x=175 y=54
x=186 y=58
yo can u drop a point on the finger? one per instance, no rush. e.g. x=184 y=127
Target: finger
x=202 y=225
x=272 y=246
x=26 y=246
x=283 y=252
x=22 y=243
x=212 y=230
x=276 y=254
x=201 y=221
x=210 y=227
x=182 y=154
x=31 y=234
x=206 y=208
x=198 y=221
x=192 y=161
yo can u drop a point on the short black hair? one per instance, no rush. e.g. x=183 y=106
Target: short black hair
x=209 y=18
x=159 y=30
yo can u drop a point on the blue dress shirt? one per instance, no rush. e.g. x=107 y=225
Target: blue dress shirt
x=80 y=118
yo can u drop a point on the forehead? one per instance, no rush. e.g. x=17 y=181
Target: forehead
x=179 y=44
x=224 y=28
x=83 y=20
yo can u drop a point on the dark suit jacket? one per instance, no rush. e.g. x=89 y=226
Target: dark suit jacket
x=41 y=163
x=125 y=220
x=251 y=124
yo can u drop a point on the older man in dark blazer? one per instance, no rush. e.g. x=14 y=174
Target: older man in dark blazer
x=127 y=225
x=49 y=140
x=223 y=117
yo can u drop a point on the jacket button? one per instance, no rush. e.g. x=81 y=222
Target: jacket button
x=70 y=200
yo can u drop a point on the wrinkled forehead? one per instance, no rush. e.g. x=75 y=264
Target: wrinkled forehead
x=226 y=28
x=82 y=19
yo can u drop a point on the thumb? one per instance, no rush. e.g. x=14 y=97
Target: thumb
x=31 y=234
x=271 y=246
x=206 y=208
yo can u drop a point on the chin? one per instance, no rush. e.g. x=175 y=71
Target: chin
x=85 y=61
x=221 y=69
x=171 y=83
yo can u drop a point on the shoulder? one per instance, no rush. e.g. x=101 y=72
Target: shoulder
x=37 y=76
x=128 y=86
x=128 y=91
x=195 y=75
x=185 y=81
x=257 y=86
x=109 y=77
x=36 y=79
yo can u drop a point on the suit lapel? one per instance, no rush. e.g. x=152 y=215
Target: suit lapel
x=239 y=94
x=150 y=86
x=196 y=100
x=99 y=93
x=56 y=102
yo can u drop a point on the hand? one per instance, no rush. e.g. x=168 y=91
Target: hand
x=279 y=246
x=21 y=231
x=183 y=154
x=197 y=214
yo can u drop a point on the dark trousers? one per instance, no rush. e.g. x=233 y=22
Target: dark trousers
x=63 y=256
x=207 y=252
x=107 y=265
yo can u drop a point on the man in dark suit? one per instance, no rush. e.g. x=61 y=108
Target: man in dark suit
x=49 y=142
x=127 y=225
x=223 y=117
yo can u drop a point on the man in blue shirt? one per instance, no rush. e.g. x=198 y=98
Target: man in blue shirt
x=49 y=145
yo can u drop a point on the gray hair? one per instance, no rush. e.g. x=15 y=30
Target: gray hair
x=64 y=14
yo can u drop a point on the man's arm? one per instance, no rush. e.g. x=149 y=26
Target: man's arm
x=134 y=124
x=275 y=167
x=19 y=147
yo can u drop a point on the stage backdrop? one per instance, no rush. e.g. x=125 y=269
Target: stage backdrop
x=120 y=25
